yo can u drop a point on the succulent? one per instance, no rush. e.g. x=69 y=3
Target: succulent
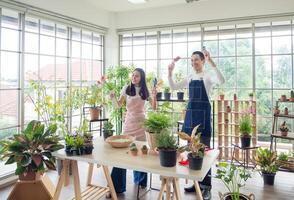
x=133 y=147
x=283 y=127
x=144 y=147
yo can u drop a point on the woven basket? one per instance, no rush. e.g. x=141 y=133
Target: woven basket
x=287 y=164
x=116 y=144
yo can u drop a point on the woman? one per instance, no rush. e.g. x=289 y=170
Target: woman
x=135 y=95
x=198 y=111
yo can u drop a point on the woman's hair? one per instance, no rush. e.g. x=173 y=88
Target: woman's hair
x=144 y=93
x=200 y=54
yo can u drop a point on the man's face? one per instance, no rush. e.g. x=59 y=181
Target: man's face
x=197 y=63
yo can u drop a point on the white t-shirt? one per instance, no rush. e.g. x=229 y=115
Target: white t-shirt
x=209 y=80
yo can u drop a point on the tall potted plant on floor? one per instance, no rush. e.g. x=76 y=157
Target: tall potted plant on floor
x=195 y=148
x=266 y=161
x=233 y=178
x=167 y=147
x=31 y=150
x=245 y=128
x=155 y=123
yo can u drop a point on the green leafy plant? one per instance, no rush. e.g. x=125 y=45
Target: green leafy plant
x=284 y=127
x=245 y=125
x=266 y=161
x=69 y=140
x=283 y=156
x=144 y=147
x=32 y=149
x=108 y=126
x=233 y=178
x=166 y=90
x=195 y=147
x=166 y=140
x=156 y=122
x=79 y=142
x=94 y=95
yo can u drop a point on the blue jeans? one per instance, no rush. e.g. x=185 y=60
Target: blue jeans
x=119 y=179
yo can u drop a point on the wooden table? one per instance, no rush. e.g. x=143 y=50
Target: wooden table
x=105 y=155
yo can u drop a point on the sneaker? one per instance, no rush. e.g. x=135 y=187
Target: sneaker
x=206 y=194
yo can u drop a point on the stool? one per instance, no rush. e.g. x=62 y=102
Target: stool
x=245 y=154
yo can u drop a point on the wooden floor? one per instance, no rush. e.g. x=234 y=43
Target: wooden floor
x=282 y=190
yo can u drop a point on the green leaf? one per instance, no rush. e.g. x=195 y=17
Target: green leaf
x=50 y=164
x=20 y=170
x=10 y=160
x=26 y=160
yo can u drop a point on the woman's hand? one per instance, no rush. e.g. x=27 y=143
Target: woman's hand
x=171 y=66
x=153 y=93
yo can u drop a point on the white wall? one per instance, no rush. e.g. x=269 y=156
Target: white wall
x=74 y=8
x=200 y=11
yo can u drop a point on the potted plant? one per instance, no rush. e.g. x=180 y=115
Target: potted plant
x=31 y=150
x=144 y=150
x=286 y=111
x=251 y=95
x=292 y=96
x=107 y=129
x=276 y=110
x=286 y=161
x=94 y=97
x=179 y=77
x=88 y=143
x=245 y=130
x=134 y=149
x=167 y=147
x=79 y=145
x=194 y=147
x=233 y=178
x=69 y=144
x=154 y=124
x=167 y=93
x=157 y=85
x=266 y=161
x=228 y=109
x=283 y=97
x=284 y=129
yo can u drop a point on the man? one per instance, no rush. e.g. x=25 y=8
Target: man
x=199 y=84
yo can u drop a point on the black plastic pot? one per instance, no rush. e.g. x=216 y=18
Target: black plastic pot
x=168 y=157
x=107 y=133
x=159 y=95
x=245 y=141
x=195 y=163
x=268 y=179
x=180 y=95
x=88 y=149
x=68 y=150
x=167 y=96
x=78 y=151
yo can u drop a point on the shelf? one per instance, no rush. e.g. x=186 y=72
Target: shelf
x=99 y=120
x=238 y=100
x=230 y=135
x=93 y=192
x=290 y=135
x=233 y=112
x=285 y=101
x=282 y=115
x=172 y=100
x=231 y=124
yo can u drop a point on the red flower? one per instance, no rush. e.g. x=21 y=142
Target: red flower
x=102 y=78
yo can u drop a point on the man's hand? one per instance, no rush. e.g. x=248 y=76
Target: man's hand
x=171 y=66
x=208 y=58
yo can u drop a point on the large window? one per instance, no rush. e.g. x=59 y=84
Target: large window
x=59 y=55
x=253 y=57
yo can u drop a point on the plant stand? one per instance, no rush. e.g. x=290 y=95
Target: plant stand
x=101 y=120
x=38 y=189
x=245 y=154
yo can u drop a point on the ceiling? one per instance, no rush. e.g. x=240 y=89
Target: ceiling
x=124 y=5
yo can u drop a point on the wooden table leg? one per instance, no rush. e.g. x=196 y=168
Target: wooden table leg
x=61 y=179
x=67 y=178
x=177 y=188
x=77 y=185
x=90 y=174
x=110 y=183
x=198 y=191
x=163 y=183
x=168 y=189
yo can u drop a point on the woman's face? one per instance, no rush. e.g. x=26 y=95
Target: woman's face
x=197 y=63
x=136 y=78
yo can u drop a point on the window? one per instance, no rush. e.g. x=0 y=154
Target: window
x=253 y=57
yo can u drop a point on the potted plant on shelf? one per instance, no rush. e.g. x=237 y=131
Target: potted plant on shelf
x=251 y=95
x=154 y=124
x=292 y=96
x=221 y=94
x=167 y=147
x=144 y=150
x=228 y=109
x=88 y=143
x=283 y=97
x=94 y=97
x=167 y=93
x=134 y=149
x=195 y=148
x=245 y=130
x=107 y=129
x=276 y=110
x=286 y=111
x=266 y=161
x=284 y=129
x=179 y=77
x=233 y=178
x=31 y=150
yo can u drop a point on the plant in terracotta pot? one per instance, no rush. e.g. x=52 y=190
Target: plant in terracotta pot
x=233 y=178
x=167 y=93
x=221 y=94
x=31 y=150
x=284 y=129
x=167 y=147
x=245 y=128
x=276 y=110
x=283 y=97
x=286 y=111
x=178 y=78
x=266 y=161
x=194 y=147
x=154 y=124
x=134 y=149
x=94 y=98
x=228 y=109
x=144 y=150
x=107 y=129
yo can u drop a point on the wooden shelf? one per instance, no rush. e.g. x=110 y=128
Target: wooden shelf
x=282 y=115
x=93 y=192
x=285 y=101
x=234 y=112
x=172 y=100
x=238 y=100
x=290 y=135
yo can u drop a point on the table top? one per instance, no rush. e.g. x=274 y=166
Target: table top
x=104 y=154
